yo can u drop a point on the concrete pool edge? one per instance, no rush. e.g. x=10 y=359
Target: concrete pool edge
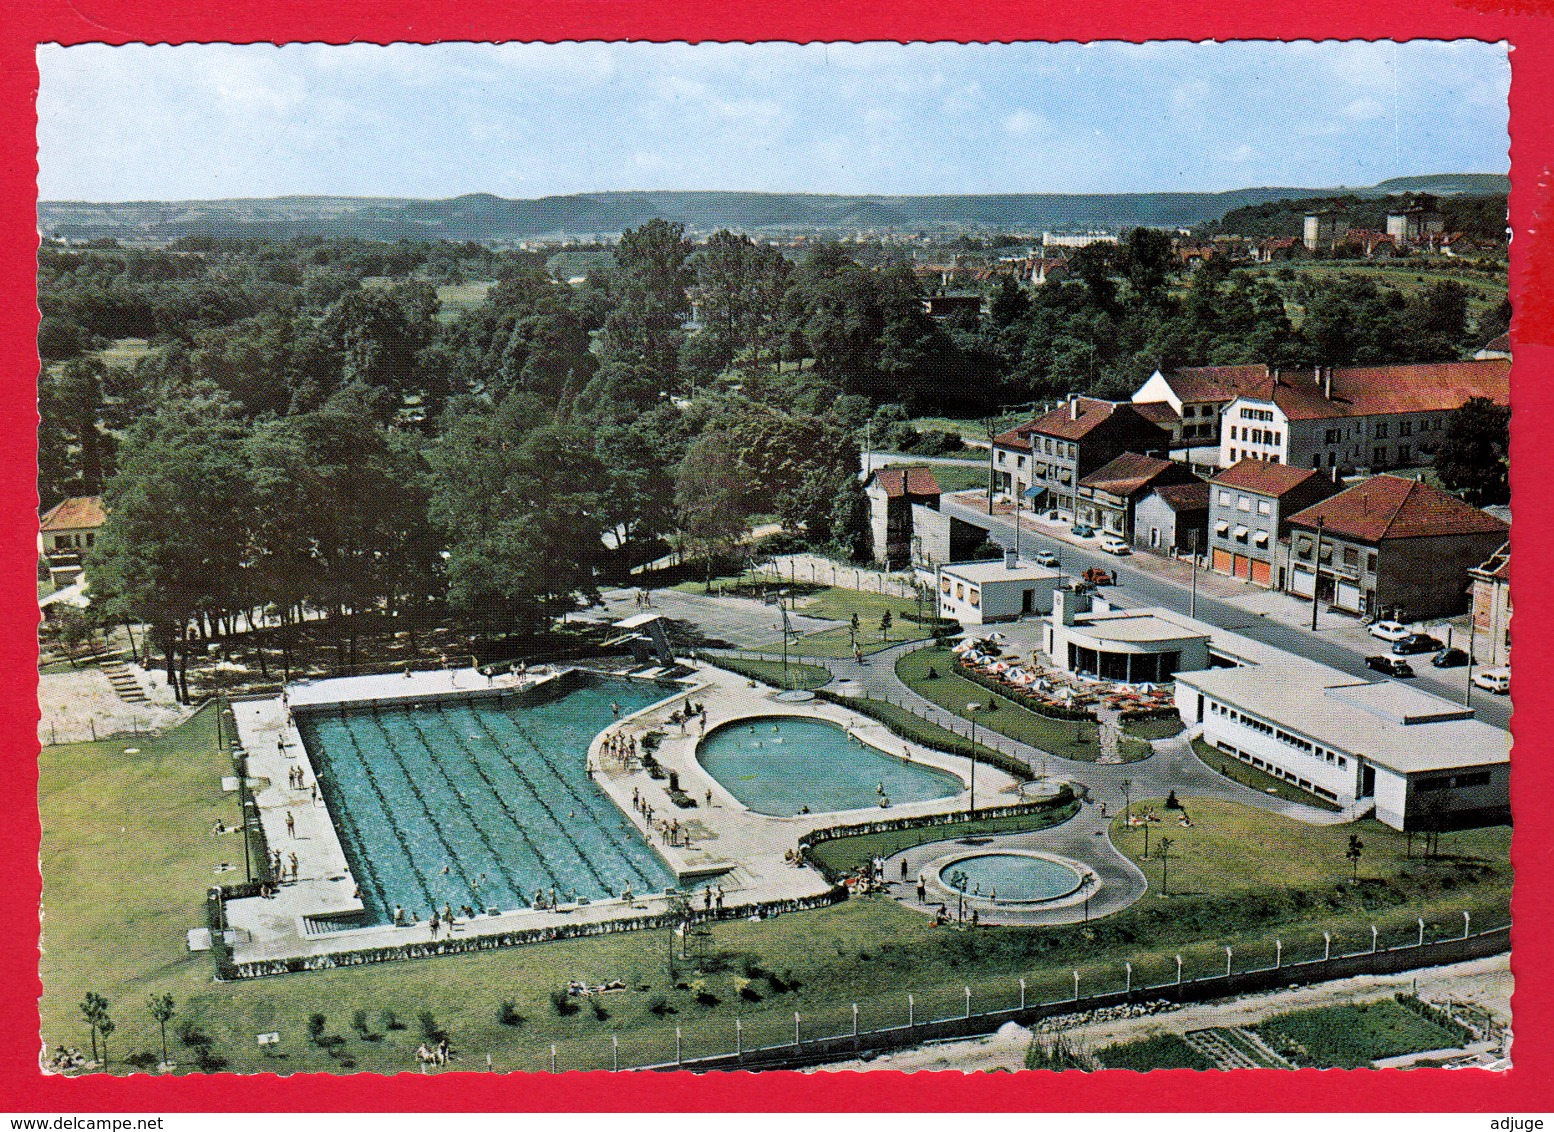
x=750 y=852
x=940 y=892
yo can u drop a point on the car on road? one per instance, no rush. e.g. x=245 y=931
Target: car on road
x=1083 y=531
x=1046 y=558
x=1100 y=576
x=1391 y=665
x=1114 y=545
x=1390 y=630
x=1416 y=643
x=1449 y=658
x=1496 y=680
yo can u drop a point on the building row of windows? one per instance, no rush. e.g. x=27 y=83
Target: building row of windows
x=1451 y=781
x=1304 y=745
x=1244 y=503
x=73 y=542
x=1256 y=435
x=1234 y=454
x=1277 y=771
x=1256 y=414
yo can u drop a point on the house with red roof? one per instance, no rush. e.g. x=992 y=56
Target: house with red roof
x=1250 y=504
x=1107 y=496
x=893 y=492
x=1044 y=459
x=67 y=531
x=1189 y=400
x=1354 y=417
x=1391 y=545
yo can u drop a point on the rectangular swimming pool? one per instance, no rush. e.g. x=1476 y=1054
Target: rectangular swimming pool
x=481 y=804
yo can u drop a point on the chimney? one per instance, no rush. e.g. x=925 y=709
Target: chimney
x=1365 y=503
x=1073 y=407
x=1327 y=383
x=1316 y=375
x=1011 y=560
x=1276 y=375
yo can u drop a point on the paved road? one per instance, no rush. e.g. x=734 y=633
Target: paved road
x=1141 y=587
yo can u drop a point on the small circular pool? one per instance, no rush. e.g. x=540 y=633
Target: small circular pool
x=1011 y=878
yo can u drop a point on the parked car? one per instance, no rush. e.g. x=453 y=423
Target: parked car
x=1114 y=545
x=1390 y=630
x=1391 y=665
x=1417 y=643
x=1449 y=658
x=1496 y=680
x=1046 y=558
x=1083 y=531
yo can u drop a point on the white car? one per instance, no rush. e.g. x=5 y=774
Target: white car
x=1046 y=558
x=1391 y=631
x=1496 y=680
x=1114 y=545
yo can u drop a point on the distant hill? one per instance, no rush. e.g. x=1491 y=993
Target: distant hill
x=481 y=216
x=1448 y=184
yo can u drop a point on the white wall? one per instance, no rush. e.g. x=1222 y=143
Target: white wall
x=1219 y=727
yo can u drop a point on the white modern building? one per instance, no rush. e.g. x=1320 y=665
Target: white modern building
x=1087 y=637
x=976 y=593
x=1420 y=760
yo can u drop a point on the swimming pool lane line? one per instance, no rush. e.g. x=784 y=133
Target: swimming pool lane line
x=498 y=861
x=544 y=805
x=452 y=858
x=342 y=815
x=400 y=837
x=625 y=845
x=597 y=803
x=333 y=804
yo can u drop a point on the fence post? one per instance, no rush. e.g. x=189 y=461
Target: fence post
x=1421 y=931
x=1466 y=920
x=1128 y=989
x=677 y=1045
x=968 y=1002
x=1374 y=935
x=615 y=1054
x=1327 y=947
x=795 y=1029
x=855 y=1019
x=1178 y=976
x=1076 y=984
x=1227 y=962
x=911 y=1012
x=1022 y=994
x=552 y=1057
x=1278 y=954
x=739 y=1040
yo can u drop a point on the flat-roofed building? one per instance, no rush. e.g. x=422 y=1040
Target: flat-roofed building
x=975 y=593
x=1422 y=761
x=1127 y=646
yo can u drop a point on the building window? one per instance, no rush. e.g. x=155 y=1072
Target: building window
x=1370 y=562
x=1402 y=453
x=1405 y=428
x=1243 y=503
x=1263 y=507
x=1000 y=457
x=1381 y=430
x=1224 y=499
x=1327 y=553
x=1019 y=461
x=1351 y=556
x=1378 y=455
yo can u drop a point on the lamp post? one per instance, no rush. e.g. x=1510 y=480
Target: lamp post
x=1327 y=947
x=1128 y=989
x=855 y=1019
x=677 y=1045
x=795 y=1029
x=911 y=1012
x=739 y=1039
x=1316 y=576
x=1375 y=935
x=615 y=1054
x=1227 y=962
x=1194 y=607
x=1278 y=953
x=1421 y=931
x=1022 y=994
x=1076 y=984
x=972 y=809
x=1466 y=920
x=1178 y=970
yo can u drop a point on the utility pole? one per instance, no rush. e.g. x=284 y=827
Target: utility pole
x=988 y=423
x=973 y=810
x=1194 y=610
x=1316 y=577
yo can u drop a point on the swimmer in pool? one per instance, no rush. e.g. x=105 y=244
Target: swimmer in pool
x=776 y=728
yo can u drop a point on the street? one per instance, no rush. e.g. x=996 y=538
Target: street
x=1336 y=643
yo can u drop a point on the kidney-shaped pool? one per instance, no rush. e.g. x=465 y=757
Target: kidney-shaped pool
x=785 y=765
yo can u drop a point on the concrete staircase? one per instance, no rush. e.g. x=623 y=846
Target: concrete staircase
x=123 y=680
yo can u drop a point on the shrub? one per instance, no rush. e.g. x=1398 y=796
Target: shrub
x=563 y=1003
x=316 y=1024
x=508 y=1014
x=658 y=1006
x=600 y=1013
x=145 y=1059
x=190 y=1034
x=359 y=1023
x=390 y=1020
x=429 y=1028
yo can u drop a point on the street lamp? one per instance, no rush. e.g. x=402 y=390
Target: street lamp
x=1194 y=608
x=1466 y=920
x=1128 y=989
x=1227 y=962
x=1327 y=947
x=1178 y=970
x=1278 y=953
x=1374 y=936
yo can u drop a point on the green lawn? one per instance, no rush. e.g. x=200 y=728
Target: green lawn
x=127 y=856
x=1069 y=739
x=1163 y=1051
x=1226 y=851
x=1352 y=1036
x=847 y=853
x=1162 y=728
x=1261 y=781
x=771 y=672
x=460 y=298
x=960 y=477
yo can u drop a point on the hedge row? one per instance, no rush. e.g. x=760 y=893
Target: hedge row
x=929 y=734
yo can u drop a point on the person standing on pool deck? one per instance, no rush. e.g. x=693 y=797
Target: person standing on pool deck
x=922 y=891
x=291 y=825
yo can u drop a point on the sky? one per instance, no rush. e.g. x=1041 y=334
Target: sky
x=530 y=120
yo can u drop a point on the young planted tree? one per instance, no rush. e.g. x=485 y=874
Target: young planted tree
x=1163 y=851
x=885 y=626
x=162 y=1009
x=94 y=1008
x=1353 y=853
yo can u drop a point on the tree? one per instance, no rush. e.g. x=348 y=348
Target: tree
x=162 y=1009
x=94 y=1008
x=709 y=497
x=1146 y=255
x=1353 y=852
x=649 y=282
x=1163 y=852
x=850 y=526
x=1474 y=454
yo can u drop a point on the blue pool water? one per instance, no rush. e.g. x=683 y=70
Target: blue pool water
x=481 y=805
x=1012 y=877
x=778 y=765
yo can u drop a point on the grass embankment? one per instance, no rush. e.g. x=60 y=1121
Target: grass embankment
x=1261 y=781
x=128 y=854
x=771 y=672
x=847 y=853
x=831 y=603
x=1068 y=739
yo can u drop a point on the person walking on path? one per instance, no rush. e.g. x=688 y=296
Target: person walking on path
x=291 y=824
x=903 y=870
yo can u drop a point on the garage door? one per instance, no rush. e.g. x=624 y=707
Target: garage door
x=1222 y=560
x=1348 y=597
x=1301 y=582
x=1243 y=564
x=1260 y=572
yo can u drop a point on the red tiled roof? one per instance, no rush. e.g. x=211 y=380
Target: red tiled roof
x=1360 y=391
x=82 y=512
x=1126 y=474
x=1391 y=507
x=1062 y=423
x=1214 y=383
x=907 y=481
x=1158 y=411
x=1264 y=477
x=1185 y=496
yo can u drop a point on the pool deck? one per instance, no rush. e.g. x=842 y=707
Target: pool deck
x=740 y=851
